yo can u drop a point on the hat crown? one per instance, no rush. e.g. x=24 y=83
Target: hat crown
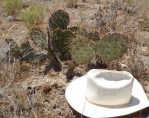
x=109 y=87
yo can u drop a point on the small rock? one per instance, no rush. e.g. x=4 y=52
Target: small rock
x=144 y=35
x=58 y=111
x=47 y=89
x=120 y=13
x=42 y=68
x=9 y=18
x=145 y=51
x=141 y=21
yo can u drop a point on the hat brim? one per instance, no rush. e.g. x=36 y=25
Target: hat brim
x=75 y=95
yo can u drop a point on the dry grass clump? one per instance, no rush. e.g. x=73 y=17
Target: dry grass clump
x=19 y=99
x=71 y=3
x=142 y=14
x=136 y=65
x=33 y=15
x=143 y=9
x=129 y=2
x=13 y=6
x=15 y=100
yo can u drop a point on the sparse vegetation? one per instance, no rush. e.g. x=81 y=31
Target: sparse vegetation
x=129 y=2
x=71 y=3
x=13 y=7
x=38 y=63
x=33 y=15
x=143 y=14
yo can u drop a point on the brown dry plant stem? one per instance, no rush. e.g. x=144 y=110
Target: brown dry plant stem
x=138 y=69
x=54 y=62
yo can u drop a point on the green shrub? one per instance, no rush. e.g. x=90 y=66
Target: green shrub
x=13 y=6
x=33 y=15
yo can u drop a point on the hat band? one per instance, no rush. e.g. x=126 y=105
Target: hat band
x=107 y=105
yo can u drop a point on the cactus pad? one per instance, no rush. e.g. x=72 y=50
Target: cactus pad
x=25 y=52
x=61 y=39
x=81 y=51
x=112 y=46
x=39 y=38
x=30 y=55
x=59 y=19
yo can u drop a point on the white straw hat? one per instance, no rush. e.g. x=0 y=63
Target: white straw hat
x=79 y=94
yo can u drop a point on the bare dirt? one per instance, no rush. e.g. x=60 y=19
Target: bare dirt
x=33 y=96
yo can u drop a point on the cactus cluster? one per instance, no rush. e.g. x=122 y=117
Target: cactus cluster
x=63 y=37
x=112 y=46
x=79 y=45
x=59 y=19
x=58 y=23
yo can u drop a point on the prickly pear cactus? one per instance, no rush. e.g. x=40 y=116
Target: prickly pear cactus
x=112 y=46
x=30 y=55
x=59 y=19
x=14 y=51
x=24 y=52
x=81 y=50
x=61 y=39
x=92 y=37
x=39 y=38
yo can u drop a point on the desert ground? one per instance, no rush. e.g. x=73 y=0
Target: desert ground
x=26 y=93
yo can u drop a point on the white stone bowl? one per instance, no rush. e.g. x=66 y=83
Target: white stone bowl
x=109 y=87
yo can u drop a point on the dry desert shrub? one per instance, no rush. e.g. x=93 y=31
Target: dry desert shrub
x=143 y=9
x=16 y=100
x=142 y=14
x=12 y=7
x=33 y=15
x=136 y=65
x=71 y=3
